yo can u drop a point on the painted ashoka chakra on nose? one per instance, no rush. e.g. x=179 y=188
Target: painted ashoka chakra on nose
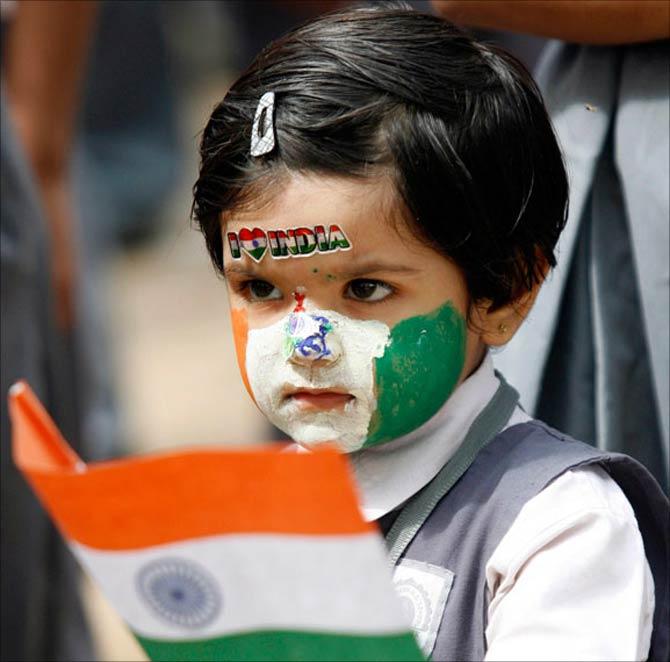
x=180 y=592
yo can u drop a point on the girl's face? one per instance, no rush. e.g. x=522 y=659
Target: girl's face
x=361 y=336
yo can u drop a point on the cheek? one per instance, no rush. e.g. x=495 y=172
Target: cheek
x=240 y=334
x=418 y=372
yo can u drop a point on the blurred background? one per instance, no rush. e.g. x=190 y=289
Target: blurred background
x=146 y=349
x=102 y=107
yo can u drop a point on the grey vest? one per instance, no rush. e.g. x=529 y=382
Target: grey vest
x=457 y=533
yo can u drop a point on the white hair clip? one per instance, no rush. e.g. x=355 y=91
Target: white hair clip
x=263 y=130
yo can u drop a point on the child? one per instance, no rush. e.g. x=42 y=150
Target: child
x=383 y=195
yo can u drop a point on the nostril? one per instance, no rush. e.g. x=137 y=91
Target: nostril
x=309 y=338
x=334 y=348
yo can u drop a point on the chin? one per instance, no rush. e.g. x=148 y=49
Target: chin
x=345 y=429
x=338 y=430
x=342 y=445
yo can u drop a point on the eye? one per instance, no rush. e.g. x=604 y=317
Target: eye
x=371 y=291
x=261 y=290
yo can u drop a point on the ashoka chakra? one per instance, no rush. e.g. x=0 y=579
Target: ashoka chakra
x=180 y=592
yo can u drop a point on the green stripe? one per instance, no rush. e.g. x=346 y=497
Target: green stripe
x=283 y=645
x=417 y=373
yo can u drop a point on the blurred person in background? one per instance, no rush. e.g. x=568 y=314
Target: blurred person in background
x=125 y=164
x=128 y=154
x=600 y=324
x=261 y=21
x=44 y=52
x=83 y=176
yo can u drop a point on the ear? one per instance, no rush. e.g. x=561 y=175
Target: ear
x=496 y=327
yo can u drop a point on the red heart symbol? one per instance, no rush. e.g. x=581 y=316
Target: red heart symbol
x=254 y=242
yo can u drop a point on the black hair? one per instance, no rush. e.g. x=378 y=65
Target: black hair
x=459 y=126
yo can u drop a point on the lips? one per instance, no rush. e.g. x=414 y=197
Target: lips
x=318 y=399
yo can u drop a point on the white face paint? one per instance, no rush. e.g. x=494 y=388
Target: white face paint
x=276 y=367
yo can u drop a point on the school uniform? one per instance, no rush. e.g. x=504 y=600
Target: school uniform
x=598 y=332
x=513 y=541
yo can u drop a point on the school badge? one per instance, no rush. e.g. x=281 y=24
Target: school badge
x=423 y=589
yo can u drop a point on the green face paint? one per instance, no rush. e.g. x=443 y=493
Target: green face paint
x=417 y=372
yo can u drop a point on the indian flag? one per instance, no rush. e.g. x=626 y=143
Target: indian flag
x=222 y=555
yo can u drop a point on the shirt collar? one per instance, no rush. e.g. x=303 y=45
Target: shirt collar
x=389 y=474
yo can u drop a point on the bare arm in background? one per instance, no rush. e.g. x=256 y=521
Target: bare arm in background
x=44 y=61
x=600 y=22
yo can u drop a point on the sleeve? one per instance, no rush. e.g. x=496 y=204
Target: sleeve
x=570 y=580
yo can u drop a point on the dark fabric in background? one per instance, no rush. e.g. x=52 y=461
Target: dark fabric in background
x=41 y=617
x=602 y=286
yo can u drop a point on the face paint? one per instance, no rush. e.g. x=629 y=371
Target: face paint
x=327 y=352
x=306 y=336
x=417 y=373
x=398 y=378
x=299 y=296
x=238 y=318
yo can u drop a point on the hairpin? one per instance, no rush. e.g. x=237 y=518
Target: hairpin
x=263 y=130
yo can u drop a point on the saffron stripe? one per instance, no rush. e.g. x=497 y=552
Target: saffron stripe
x=282 y=645
x=127 y=506
x=238 y=317
x=37 y=441
x=131 y=504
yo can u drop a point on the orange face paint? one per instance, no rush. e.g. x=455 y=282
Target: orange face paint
x=240 y=333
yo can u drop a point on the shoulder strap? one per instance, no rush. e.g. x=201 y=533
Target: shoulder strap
x=491 y=420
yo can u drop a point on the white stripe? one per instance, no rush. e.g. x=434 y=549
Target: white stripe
x=359 y=343
x=266 y=581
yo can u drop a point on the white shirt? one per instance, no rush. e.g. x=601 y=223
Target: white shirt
x=389 y=474
x=569 y=580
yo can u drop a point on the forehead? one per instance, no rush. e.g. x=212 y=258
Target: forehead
x=368 y=211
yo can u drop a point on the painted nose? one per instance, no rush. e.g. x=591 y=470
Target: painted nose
x=310 y=340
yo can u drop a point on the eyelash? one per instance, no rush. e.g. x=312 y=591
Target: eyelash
x=392 y=291
x=242 y=288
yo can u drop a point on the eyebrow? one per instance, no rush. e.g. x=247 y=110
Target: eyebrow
x=356 y=272
x=234 y=269
x=376 y=267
